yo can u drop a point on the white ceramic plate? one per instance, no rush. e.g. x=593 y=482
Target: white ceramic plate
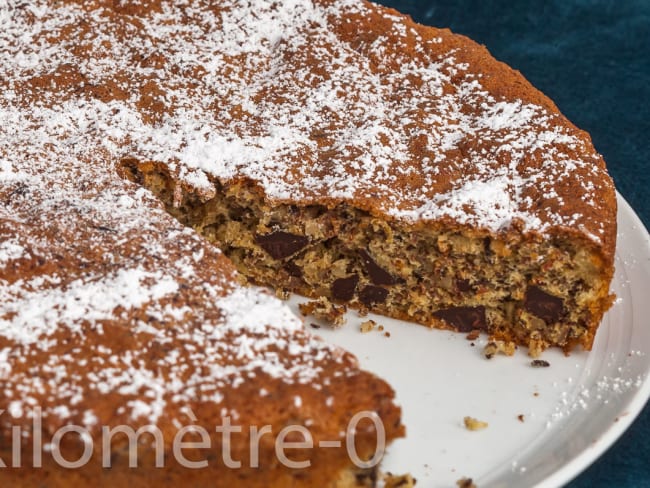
x=573 y=410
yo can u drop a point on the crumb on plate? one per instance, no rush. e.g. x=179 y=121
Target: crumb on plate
x=473 y=424
x=465 y=483
x=499 y=347
x=399 y=481
x=368 y=326
x=324 y=309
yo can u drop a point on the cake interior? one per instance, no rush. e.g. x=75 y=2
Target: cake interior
x=535 y=291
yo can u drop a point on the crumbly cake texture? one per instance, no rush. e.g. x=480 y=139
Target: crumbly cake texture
x=333 y=148
x=113 y=313
x=389 y=166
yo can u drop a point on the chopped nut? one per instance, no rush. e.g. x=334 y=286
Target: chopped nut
x=539 y=363
x=325 y=310
x=496 y=347
x=474 y=424
x=368 y=326
x=399 y=481
x=465 y=483
x=282 y=294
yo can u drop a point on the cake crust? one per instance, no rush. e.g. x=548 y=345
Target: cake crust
x=115 y=313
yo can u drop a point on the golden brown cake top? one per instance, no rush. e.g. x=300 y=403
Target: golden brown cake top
x=323 y=101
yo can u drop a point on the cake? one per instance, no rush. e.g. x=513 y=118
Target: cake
x=330 y=148
x=390 y=167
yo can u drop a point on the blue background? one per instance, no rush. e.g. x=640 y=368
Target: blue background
x=593 y=59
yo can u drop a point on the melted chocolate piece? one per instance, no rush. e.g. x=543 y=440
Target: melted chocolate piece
x=281 y=244
x=344 y=288
x=547 y=307
x=464 y=319
x=373 y=294
x=293 y=269
x=377 y=274
x=463 y=285
x=486 y=247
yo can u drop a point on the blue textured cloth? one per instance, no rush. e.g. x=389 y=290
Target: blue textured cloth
x=593 y=59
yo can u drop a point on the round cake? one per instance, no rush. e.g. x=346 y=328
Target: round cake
x=155 y=155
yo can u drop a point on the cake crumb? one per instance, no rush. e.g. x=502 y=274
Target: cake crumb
x=473 y=335
x=282 y=293
x=387 y=334
x=325 y=310
x=465 y=483
x=368 y=326
x=314 y=326
x=499 y=347
x=535 y=347
x=399 y=481
x=380 y=328
x=539 y=363
x=520 y=417
x=473 y=424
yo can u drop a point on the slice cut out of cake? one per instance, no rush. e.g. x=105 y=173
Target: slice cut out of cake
x=385 y=165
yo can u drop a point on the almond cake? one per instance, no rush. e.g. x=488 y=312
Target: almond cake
x=156 y=154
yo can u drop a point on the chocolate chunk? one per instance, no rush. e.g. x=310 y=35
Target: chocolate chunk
x=463 y=285
x=378 y=275
x=373 y=294
x=545 y=306
x=465 y=319
x=344 y=288
x=486 y=247
x=281 y=244
x=293 y=269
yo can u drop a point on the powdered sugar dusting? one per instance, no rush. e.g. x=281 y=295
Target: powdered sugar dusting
x=361 y=128
x=600 y=393
x=99 y=282
x=9 y=250
x=256 y=311
x=35 y=314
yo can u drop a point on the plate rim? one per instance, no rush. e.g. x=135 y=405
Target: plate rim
x=608 y=431
x=577 y=465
